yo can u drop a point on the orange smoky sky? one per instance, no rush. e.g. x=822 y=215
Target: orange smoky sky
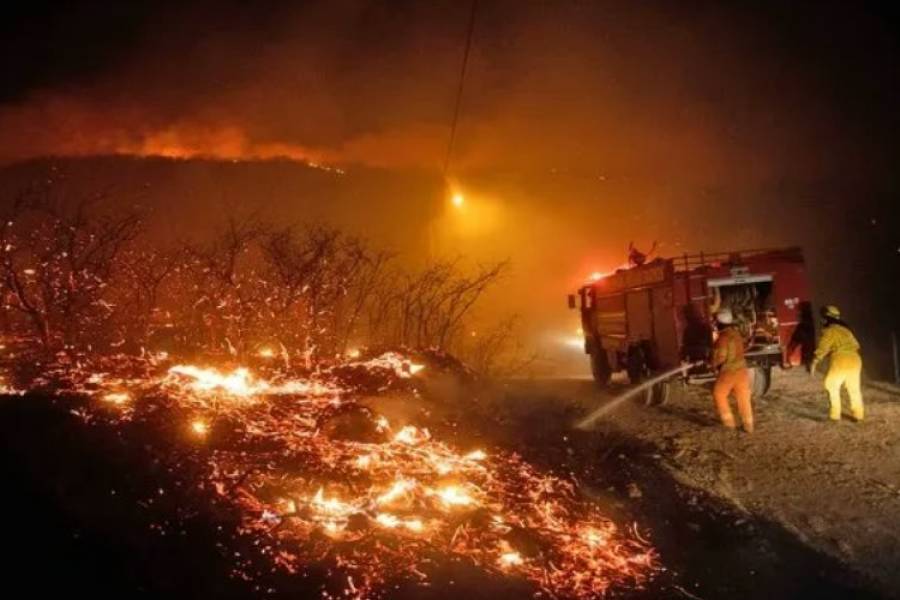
x=693 y=93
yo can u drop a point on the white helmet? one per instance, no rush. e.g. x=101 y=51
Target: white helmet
x=725 y=316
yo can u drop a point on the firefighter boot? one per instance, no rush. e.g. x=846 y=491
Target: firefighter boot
x=727 y=419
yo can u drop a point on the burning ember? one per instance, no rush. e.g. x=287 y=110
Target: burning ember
x=388 y=505
x=118 y=398
x=237 y=383
x=199 y=427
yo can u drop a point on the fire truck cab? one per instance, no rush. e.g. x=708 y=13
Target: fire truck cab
x=651 y=318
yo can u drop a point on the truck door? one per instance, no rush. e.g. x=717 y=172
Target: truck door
x=665 y=334
x=639 y=315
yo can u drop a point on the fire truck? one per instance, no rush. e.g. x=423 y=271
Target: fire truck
x=654 y=317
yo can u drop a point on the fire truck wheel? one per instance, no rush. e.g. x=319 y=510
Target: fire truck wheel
x=636 y=365
x=600 y=368
x=663 y=392
x=761 y=381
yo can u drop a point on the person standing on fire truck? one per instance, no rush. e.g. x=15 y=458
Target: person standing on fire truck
x=734 y=376
x=839 y=343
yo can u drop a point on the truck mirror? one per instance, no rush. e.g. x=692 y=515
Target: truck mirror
x=572 y=303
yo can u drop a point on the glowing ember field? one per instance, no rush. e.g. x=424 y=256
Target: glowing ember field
x=319 y=479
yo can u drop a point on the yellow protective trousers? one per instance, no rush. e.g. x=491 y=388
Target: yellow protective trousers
x=737 y=381
x=845 y=370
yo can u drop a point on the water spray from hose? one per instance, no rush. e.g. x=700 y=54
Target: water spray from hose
x=589 y=420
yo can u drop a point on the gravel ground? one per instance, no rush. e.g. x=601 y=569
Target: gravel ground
x=836 y=486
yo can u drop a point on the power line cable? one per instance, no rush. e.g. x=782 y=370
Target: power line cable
x=459 y=91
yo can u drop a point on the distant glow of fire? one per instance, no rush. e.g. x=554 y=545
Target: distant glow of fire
x=458 y=200
x=199 y=427
x=185 y=141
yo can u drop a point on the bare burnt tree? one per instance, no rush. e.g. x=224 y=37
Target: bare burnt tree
x=58 y=259
x=497 y=351
x=296 y=266
x=16 y=298
x=223 y=285
x=369 y=273
x=320 y=279
x=428 y=308
x=461 y=295
x=73 y=276
x=145 y=281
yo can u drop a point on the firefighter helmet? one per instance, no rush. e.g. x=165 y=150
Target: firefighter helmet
x=831 y=311
x=725 y=316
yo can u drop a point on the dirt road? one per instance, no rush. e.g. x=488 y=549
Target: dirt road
x=802 y=506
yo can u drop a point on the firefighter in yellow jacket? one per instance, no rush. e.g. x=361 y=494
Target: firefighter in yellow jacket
x=845 y=370
x=733 y=374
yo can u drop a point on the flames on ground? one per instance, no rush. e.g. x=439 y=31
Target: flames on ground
x=384 y=504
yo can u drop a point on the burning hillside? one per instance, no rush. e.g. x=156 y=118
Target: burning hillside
x=379 y=503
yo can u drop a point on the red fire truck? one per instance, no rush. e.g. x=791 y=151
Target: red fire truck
x=651 y=318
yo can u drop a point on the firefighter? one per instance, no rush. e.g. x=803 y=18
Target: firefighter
x=733 y=374
x=839 y=343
